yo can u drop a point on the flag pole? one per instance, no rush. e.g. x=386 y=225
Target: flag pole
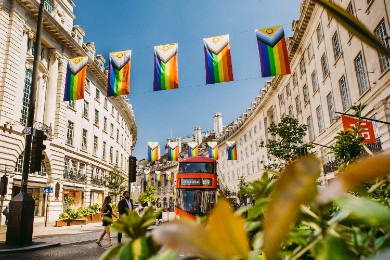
x=366 y=118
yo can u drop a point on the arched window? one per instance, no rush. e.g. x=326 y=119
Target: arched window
x=19 y=166
x=49 y=6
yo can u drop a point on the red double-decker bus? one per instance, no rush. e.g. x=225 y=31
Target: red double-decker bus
x=196 y=187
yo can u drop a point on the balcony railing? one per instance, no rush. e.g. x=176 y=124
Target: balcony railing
x=74 y=177
x=97 y=181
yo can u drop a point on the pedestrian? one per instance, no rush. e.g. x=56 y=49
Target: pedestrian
x=124 y=206
x=6 y=214
x=106 y=211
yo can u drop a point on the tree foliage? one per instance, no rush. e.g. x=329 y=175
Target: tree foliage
x=115 y=182
x=148 y=196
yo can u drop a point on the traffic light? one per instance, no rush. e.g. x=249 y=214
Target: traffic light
x=3 y=185
x=302 y=151
x=36 y=150
x=132 y=168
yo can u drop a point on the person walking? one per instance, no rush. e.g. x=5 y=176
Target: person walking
x=106 y=211
x=6 y=214
x=124 y=206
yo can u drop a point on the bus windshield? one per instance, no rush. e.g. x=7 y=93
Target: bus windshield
x=192 y=167
x=196 y=202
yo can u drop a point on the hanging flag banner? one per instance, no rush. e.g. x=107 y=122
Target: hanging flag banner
x=153 y=151
x=173 y=151
x=231 y=149
x=213 y=150
x=218 y=62
x=119 y=74
x=169 y=176
x=158 y=175
x=366 y=127
x=165 y=67
x=75 y=78
x=146 y=176
x=273 y=51
x=192 y=149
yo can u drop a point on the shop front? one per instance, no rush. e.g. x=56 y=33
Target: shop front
x=76 y=196
x=97 y=197
x=39 y=197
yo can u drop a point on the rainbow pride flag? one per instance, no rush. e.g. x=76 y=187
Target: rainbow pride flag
x=213 y=150
x=169 y=176
x=273 y=51
x=158 y=175
x=165 y=67
x=153 y=151
x=119 y=74
x=147 y=176
x=192 y=149
x=231 y=149
x=75 y=78
x=218 y=62
x=173 y=151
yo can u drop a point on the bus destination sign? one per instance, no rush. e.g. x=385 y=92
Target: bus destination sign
x=196 y=181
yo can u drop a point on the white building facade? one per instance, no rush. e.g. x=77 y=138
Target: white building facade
x=86 y=138
x=331 y=71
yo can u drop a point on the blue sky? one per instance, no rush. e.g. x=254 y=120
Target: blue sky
x=118 y=25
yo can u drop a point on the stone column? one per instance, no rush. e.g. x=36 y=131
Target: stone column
x=51 y=94
x=40 y=99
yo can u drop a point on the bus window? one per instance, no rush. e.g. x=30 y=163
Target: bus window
x=196 y=202
x=192 y=167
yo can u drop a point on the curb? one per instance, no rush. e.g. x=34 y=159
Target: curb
x=27 y=248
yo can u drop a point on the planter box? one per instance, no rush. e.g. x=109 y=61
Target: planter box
x=74 y=222
x=96 y=217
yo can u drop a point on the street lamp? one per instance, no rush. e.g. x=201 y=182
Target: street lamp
x=22 y=206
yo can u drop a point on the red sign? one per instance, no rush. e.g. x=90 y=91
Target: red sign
x=366 y=127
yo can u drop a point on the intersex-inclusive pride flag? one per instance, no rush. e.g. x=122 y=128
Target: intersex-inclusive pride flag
x=213 y=150
x=173 y=151
x=273 y=51
x=218 y=62
x=146 y=176
x=75 y=78
x=165 y=67
x=192 y=149
x=153 y=151
x=169 y=175
x=231 y=149
x=119 y=74
x=158 y=175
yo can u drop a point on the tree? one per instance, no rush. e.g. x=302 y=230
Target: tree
x=115 y=182
x=242 y=187
x=287 y=142
x=148 y=196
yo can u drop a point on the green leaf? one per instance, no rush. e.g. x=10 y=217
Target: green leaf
x=111 y=253
x=296 y=185
x=365 y=210
x=331 y=248
x=257 y=209
x=353 y=25
x=166 y=255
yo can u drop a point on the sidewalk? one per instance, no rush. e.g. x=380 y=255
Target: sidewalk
x=50 y=236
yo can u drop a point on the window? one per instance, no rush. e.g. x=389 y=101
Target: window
x=295 y=79
x=320 y=33
x=350 y=8
x=84 y=140
x=72 y=104
x=281 y=99
x=111 y=154
x=306 y=97
x=70 y=133
x=324 y=65
x=329 y=100
x=117 y=116
x=104 y=150
x=86 y=86
x=105 y=124
x=96 y=117
x=288 y=90
x=310 y=52
x=95 y=145
x=314 y=81
x=105 y=103
x=298 y=104
x=112 y=131
x=26 y=96
x=48 y=4
x=97 y=95
x=381 y=33
x=320 y=119
x=290 y=111
x=116 y=157
x=344 y=93
x=336 y=46
x=112 y=111
x=117 y=136
x=361 y=74
x=302 y=67
x=310 y=128
x=85 y=111
x=255 y=129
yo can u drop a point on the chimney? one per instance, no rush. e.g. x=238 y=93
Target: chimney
x=198 y=134
x=218 y=126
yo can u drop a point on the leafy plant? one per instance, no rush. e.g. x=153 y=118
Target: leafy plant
x=69 y=201
x=95 y=208
x=71 y=214
x=115 y=182
x=148 y=196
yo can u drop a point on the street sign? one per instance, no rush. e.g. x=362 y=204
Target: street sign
x=27 y=131
x=47 y=190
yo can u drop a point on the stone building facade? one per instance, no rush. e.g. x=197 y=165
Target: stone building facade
x=86 y=138
x=331 y=71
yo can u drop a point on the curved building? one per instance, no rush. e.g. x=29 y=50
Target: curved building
x=86 y=138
